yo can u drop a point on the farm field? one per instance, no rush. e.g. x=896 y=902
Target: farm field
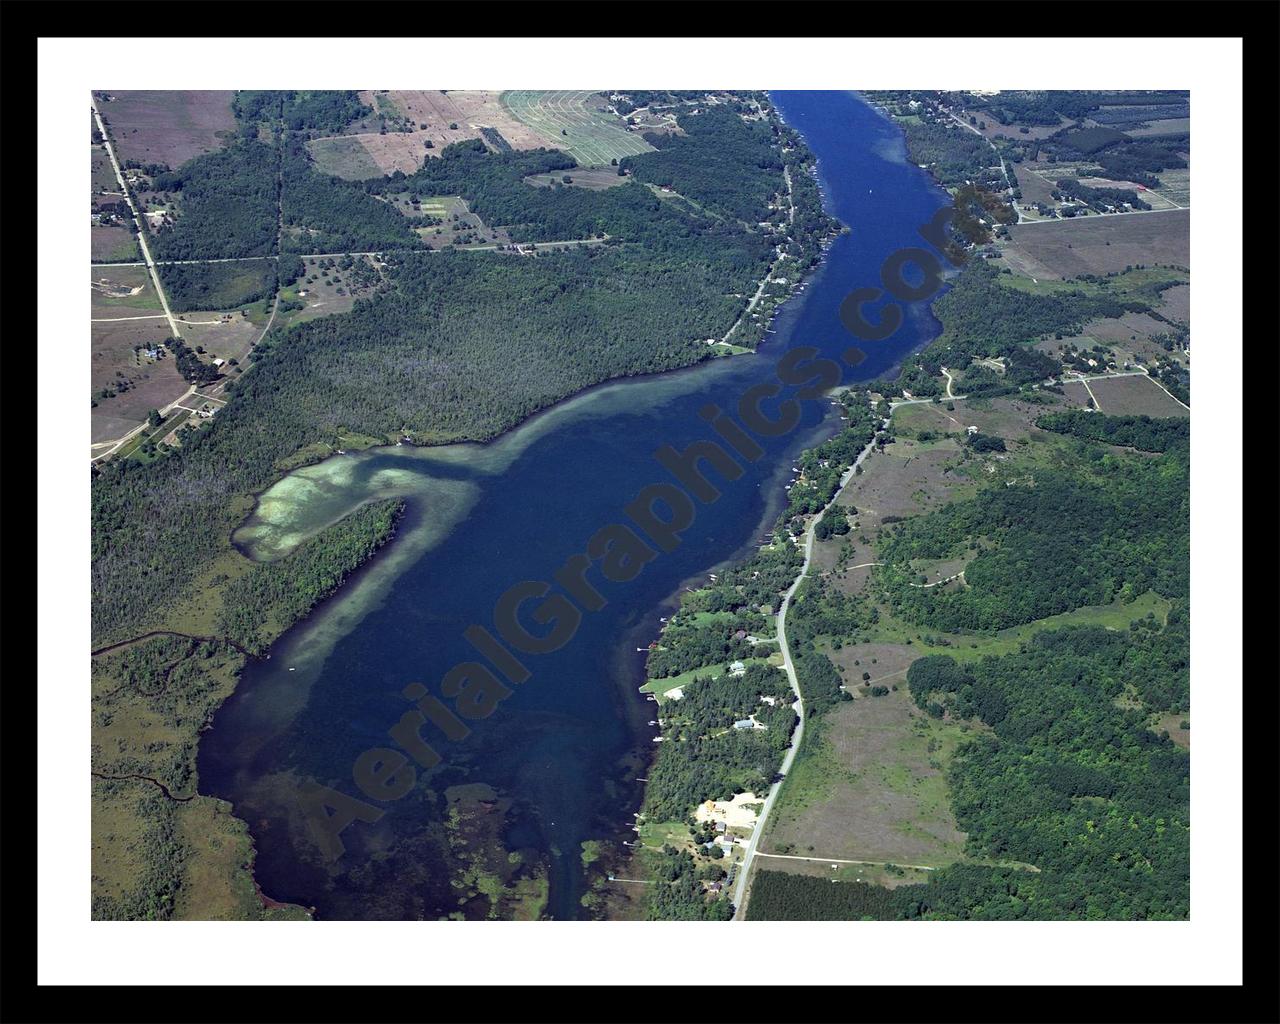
x=430 y=113
x=167 y=126
x=577 y=123
x=1036 y=188
x=1177 y=303
x=1100 y=245
x=1176 y=185
x=1135 y=396
x=471 y=110
x=114 y=360
x=102 y=177
x=111 y=244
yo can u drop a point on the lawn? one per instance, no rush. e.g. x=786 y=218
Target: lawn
x=661 y=686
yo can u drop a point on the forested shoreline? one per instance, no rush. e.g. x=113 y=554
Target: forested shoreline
x=459 y=346
x=452 y=346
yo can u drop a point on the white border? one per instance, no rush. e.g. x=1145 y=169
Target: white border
x=71 y=949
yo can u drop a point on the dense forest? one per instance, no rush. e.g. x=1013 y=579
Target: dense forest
x=1048 y=545
x=457 y=345
x=1070 y=779
x=217 y=286
x=779 y=896
x=274 y=595
x=326 y=214
x=953 y=154
x=751 y=172
x=1141 y=432
x=324 y=111
x=227 y=204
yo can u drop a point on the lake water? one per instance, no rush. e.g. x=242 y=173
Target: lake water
x=568 y=745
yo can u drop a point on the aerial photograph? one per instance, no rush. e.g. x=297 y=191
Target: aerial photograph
x=639 y=505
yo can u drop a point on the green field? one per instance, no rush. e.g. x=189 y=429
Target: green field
x=972 y=647
x=593 y=137
x=1132 y=284
x=344 y=157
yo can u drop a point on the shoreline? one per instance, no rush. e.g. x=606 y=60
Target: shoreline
x=743 y=869
x=631 y=711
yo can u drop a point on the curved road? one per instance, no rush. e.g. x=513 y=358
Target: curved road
x=740 y=885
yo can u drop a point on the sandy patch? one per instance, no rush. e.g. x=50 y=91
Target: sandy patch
x=734 y=813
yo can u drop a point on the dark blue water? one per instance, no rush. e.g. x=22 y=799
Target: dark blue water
x=564 y=746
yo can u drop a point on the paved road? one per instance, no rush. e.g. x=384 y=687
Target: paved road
x=740 y=894
x=137 y=220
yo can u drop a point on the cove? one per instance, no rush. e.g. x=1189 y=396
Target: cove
x=562 y=755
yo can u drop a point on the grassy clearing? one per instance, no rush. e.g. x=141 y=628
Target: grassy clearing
x=122 y=291
x=344 y=156
x=870 y=784
x=1132 y=284
x=971 y=647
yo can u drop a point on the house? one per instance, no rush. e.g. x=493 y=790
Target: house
x=737 y=668
x=740 y=635
x=745 y=723
x=219 y=362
